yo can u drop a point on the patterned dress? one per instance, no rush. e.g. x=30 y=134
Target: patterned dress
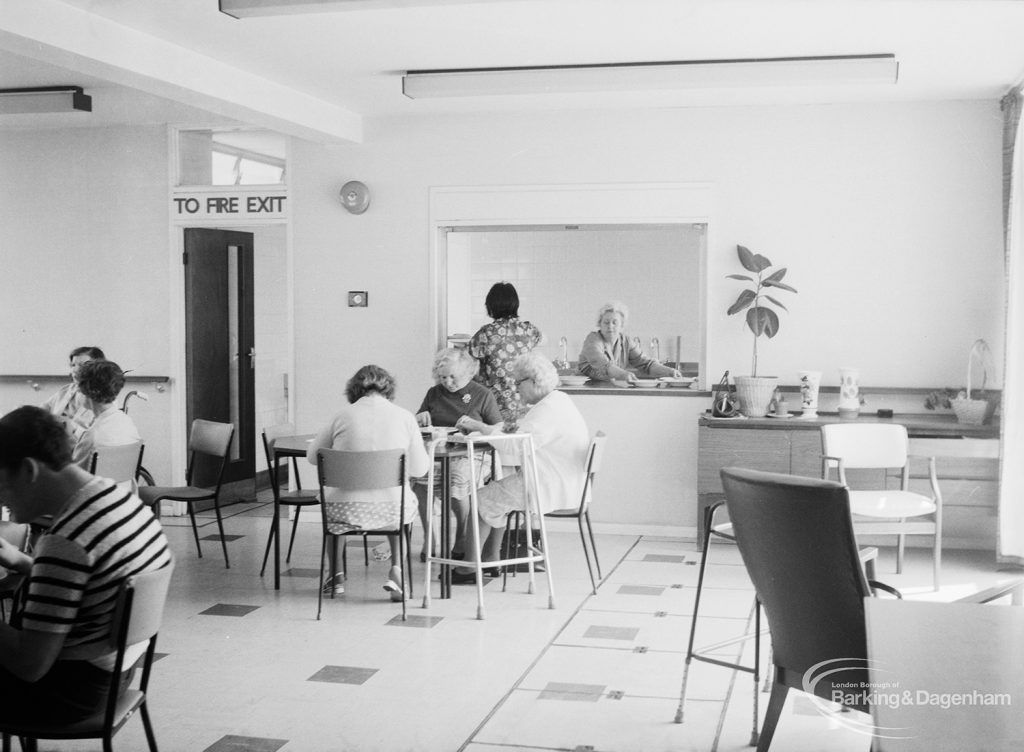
x=496 y=345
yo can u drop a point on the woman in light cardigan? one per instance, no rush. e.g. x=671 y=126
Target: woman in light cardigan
x=608 y=355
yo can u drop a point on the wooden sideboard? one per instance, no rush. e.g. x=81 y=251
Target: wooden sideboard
x=967 y=460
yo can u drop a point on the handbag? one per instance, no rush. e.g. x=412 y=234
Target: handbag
x=725 y=403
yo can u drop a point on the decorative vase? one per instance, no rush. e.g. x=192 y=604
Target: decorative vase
x=810 y=381
x=755 y=392
x=849 y=393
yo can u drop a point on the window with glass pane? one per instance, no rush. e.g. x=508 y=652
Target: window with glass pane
x=231 y=157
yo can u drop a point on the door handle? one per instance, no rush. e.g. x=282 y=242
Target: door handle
x=252 y=358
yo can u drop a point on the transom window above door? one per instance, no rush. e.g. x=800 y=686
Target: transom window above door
x=217 y=157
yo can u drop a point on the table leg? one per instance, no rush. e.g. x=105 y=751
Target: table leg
x=445 y=544
x=275 y=524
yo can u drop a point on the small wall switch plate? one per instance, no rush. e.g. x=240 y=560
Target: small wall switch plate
x=358 y=298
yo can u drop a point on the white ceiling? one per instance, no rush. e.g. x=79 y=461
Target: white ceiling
x=326 y=75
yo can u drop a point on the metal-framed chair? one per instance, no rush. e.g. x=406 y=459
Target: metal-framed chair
x=797 y=542
x=210 y=439
x=138 y=613
x=296 y=498
x=899 y=511
x=364 y=471
x=581 y=513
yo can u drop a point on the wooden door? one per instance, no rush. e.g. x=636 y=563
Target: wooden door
x=219 y=344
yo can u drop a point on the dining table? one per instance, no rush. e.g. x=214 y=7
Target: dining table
x=945 y=676
x=284 y=448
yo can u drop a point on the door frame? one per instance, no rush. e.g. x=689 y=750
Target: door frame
x=178 y=411
x=176 y=295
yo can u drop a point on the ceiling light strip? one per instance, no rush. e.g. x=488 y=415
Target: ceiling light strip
x=44 y=99
x=688 y=74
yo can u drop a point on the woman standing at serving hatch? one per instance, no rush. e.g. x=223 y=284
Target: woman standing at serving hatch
x=607 y=354
x=497 y=344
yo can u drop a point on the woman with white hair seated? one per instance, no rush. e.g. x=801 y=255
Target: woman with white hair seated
x=453 y=400
x=560 y=443
x=608 y=354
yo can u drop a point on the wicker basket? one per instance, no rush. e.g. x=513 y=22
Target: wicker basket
x=973 y=412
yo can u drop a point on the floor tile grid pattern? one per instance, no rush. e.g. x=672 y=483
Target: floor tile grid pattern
x=256 y=671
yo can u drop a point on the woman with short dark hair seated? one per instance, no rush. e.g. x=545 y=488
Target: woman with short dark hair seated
x=100 y=382
x=370 y=422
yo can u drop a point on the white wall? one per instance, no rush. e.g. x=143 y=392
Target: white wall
x=887 y=216
x=84 y=261
x=83 y=243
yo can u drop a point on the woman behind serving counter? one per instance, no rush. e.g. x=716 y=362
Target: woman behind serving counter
x=607 y=353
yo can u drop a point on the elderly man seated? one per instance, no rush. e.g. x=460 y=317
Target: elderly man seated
x=560 y=440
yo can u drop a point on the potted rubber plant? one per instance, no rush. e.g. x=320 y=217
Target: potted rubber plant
x=755 y=392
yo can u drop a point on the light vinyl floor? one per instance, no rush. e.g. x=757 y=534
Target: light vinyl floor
x=244 y=668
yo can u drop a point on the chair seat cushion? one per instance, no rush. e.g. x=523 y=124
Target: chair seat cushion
x=890 y=504
x=574 y=512
x=153 y=494
x=296 y=498
x=91 y=727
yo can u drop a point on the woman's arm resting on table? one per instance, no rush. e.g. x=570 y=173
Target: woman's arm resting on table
x=11 y=557
x=469 y=425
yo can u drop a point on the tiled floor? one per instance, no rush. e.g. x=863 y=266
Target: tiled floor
x=247 y=668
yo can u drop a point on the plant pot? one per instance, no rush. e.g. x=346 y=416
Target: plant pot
x=972 y=412
x=755 y=392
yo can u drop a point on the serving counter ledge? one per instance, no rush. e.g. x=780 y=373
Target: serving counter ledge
x=919 y=425
x=604 y=387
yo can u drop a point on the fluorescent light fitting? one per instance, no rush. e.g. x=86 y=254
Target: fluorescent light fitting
x=44 y=99
x=686 y=74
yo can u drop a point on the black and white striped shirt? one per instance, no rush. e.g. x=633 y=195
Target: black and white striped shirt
x=102 y=536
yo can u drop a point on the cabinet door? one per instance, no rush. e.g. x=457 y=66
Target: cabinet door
x=739 y=447
x=805 y=453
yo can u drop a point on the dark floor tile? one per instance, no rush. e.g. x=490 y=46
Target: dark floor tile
x=245 y=744
x=309 y=572
x=597 y=632
x=343 y=675
x=572 y=692
x=227 y=538
x=665 y=558
x=228 y=609
x=411 y=620
x=640 y=590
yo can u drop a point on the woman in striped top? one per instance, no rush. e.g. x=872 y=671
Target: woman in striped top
x=55 y=659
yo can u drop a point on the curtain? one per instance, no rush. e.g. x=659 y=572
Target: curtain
x=1011 y=486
